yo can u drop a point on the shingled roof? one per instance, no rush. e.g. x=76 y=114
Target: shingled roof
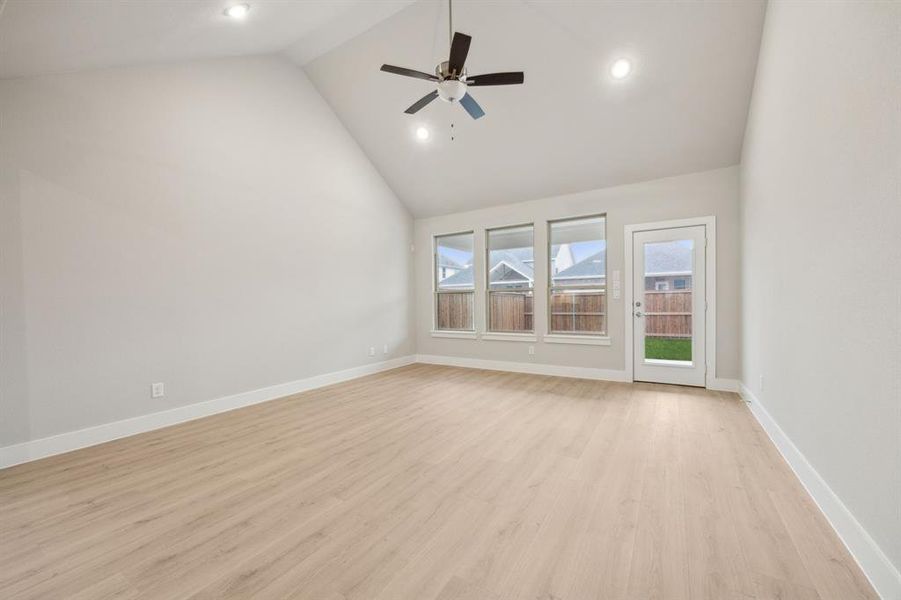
x=668 y=258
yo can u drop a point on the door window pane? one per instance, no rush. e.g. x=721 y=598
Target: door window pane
x=668 y=268
x=511 y=275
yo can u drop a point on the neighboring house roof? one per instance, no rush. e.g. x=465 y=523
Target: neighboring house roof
x=517 y=269
x=590 y=267
x=667 y=259
x=515 y=259
x=660 y=259
x=459 y=279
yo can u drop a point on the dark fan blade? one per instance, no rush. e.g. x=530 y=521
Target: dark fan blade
x=459 y=50
x=496 y=79
x=472 y=107
x=408 y=72
x=422 y=102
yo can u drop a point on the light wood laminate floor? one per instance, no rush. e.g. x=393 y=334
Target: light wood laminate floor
x=430 y=482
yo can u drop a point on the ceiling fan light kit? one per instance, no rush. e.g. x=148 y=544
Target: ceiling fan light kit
x=451 y=80
x=451 y=90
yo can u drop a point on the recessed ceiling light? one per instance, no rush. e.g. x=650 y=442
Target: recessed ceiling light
x=621 y=68
x=422 y=134
x=237 y=11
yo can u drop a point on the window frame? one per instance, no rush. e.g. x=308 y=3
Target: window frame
x=436 y=289
x=551 y=332
x=500 y=333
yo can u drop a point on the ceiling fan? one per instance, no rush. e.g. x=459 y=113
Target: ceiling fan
x=451 y=79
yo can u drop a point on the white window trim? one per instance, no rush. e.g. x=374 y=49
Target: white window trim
x=502 y=336
x=495 y=336
x=455 y=334
x=585 y=339
x=450 y=333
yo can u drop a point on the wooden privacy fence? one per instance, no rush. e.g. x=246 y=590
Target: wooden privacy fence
x=668 y=313
x=583 y=312
x=510 y=311
x=454 y=310
x=507 y=311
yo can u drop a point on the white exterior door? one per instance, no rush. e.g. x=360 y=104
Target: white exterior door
x=668 y=305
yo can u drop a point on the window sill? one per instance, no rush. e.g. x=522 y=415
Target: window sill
x=510 y=337
x=459 y=335
x=587 y=340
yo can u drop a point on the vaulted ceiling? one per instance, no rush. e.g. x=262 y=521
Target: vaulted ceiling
x=570 y=127
x=39 y=37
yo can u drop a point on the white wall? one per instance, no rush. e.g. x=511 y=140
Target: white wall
x=696 y=195
x=210 y=225
x=821 y=234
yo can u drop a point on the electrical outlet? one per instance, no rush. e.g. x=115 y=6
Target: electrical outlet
x=761 y=383
x=372 y=351
x=531 y=350
x=385 y=349
x=157 y=390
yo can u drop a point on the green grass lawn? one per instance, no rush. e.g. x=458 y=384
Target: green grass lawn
x=667 y=348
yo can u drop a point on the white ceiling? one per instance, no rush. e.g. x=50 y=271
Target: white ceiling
x=570 y=127
x=51 y=36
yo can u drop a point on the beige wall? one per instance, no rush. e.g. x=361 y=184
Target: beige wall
x=696 y=195
x=821 y=232
x=209 y=225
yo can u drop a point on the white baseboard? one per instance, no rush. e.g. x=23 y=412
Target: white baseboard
x=91 y=436
x=520 y=367
x=723 y=385
x=884 y=577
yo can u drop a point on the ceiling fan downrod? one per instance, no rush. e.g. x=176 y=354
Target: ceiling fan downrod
x=450 y=24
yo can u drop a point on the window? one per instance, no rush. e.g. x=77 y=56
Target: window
x=577 y=298
x=680 y=284
x=511 y=275
x=454 y=280
x=661 y=286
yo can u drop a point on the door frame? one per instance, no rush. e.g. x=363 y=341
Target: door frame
x=709 y=224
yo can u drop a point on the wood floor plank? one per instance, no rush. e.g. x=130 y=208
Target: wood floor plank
x=430 y=482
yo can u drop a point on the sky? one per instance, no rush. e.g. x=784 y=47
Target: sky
x=462 y=257
x=580 y=250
